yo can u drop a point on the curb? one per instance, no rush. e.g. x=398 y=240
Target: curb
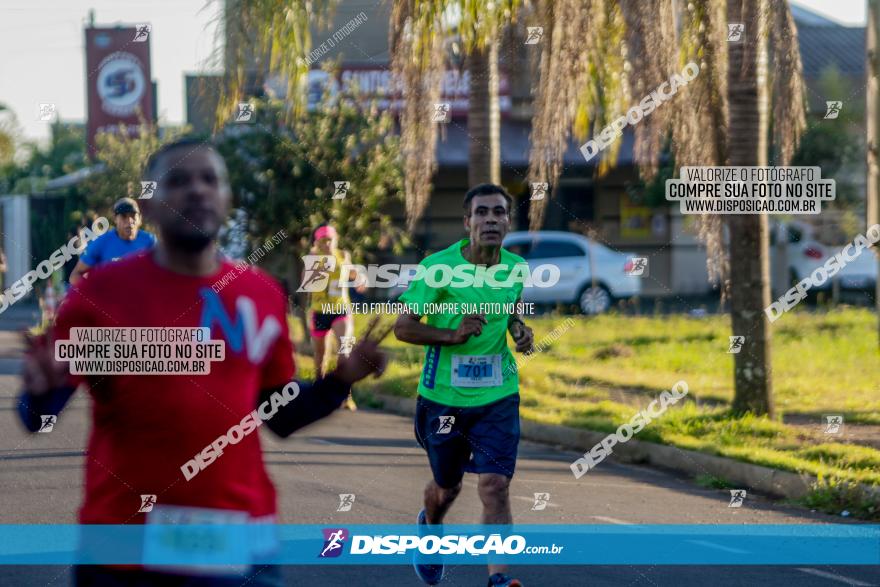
x=757 y=478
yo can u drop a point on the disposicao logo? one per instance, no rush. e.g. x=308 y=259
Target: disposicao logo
x=334 y=542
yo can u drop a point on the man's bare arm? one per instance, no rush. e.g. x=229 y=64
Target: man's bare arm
x=409 y=328
x=79 y=272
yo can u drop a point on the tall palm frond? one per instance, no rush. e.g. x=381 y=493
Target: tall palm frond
x=789 y=118
x=417 y=37
x=271 y=37
x=417 y=63
x=651 y=56
x=700 y=130
x=581 y=85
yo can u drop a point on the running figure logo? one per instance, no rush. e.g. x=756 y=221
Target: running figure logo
x=333 y=542
x=735 y=32
x=148 y=188
x=832 y=109
x=346 y=500
x=541 y=501
x=736 y=344
x=47 y=112
x=737 y=497
x=47 y=423
x=245 y=112
x=441 y=112
x=833 y=423
x=346 y=343
x=340 y=190
x=446 y=423
x=636 y=266
x=539 y=190
x=142 y=33
x=534 y=35
x=147 y=503
x=316 y=272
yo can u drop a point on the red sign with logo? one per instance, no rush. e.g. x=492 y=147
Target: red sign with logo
x=118 y=86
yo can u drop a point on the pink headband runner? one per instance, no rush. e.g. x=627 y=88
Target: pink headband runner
x=325 y=232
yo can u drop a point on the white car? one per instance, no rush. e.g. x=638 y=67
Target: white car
x=805 y=252
x=572 y=254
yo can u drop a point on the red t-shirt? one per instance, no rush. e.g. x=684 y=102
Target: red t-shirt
x=145 y=427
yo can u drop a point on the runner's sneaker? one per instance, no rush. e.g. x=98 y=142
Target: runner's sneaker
x=502 y=580
x=430 y=574
x=349 y=404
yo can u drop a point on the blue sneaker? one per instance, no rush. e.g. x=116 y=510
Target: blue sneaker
x=502 y=580
x=430 y=574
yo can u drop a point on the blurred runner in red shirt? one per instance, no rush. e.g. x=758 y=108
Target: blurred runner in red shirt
x=146 y=427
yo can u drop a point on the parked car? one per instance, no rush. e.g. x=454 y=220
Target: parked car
x=805 y=252
x=572 y=254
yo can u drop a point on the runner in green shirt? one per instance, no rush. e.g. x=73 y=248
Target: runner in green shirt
x=467 y=415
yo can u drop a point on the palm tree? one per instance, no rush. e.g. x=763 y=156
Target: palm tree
x=420 y=33
x=266 y=37
x=273 y=37
x=601 y=53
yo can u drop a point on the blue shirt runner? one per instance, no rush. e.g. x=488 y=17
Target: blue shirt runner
x=110 y=247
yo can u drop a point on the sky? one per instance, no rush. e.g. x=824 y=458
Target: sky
x=42 y=57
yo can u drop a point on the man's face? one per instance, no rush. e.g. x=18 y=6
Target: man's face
x=127 y=225
x=192 y=197
x=489 y=220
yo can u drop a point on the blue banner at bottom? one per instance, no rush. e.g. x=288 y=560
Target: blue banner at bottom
x=169 y=546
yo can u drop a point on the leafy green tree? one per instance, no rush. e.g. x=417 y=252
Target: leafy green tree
x=273 y=38
x=284 y=177
x=30 y=166
x=123 y=158
x=8 y=132
x=65 y=153
x=29 y=171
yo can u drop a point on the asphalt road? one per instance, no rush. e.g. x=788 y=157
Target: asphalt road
x=374 y=456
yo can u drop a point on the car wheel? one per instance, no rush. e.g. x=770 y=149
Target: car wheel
x=594 y=300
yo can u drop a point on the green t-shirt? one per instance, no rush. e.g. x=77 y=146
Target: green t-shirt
x=482 y=370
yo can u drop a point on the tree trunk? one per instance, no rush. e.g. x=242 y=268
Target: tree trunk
x=749 y=267
x=484 y=120
x=873 y=123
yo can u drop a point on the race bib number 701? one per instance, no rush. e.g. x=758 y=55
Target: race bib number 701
x=476 y=371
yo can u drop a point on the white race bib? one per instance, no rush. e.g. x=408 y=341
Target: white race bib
x=168 y=537
x=476 y=371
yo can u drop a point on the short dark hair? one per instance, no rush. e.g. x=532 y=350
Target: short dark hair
x=191 y=141
x=486 y=189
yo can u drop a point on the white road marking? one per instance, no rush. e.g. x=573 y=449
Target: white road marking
x=708 y=544
x=612 y=520
x=835 y=577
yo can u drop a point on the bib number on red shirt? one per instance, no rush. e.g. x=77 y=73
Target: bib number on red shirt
x=178 y=534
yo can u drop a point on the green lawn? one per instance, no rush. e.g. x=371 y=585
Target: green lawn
x=601 y=370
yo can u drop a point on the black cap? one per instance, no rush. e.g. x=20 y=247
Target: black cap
x=126 y=206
